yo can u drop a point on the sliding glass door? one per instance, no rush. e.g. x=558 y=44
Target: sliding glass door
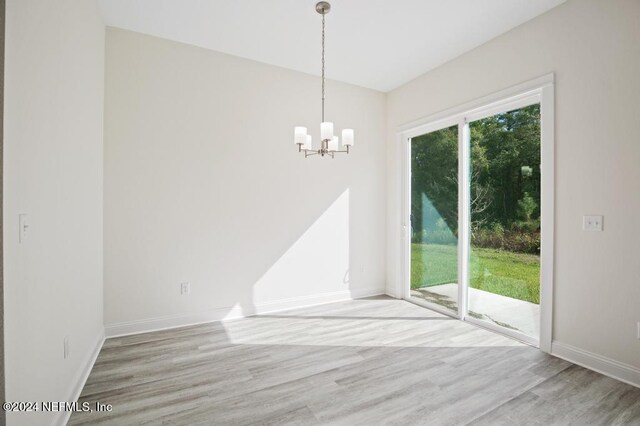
x=504 y=273
x=474 y=203
x=434 y=217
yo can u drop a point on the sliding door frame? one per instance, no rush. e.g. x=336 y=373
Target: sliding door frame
x=540 y=90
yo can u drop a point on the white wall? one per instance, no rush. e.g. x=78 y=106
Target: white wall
x=593 y=47
x=203 y=184
x=54 y=85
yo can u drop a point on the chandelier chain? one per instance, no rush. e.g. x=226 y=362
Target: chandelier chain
x=323 y=67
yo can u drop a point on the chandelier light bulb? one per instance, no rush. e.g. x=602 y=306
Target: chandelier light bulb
x=326 y=131
x=333 y=144
x=300 y=135
x=347 y=137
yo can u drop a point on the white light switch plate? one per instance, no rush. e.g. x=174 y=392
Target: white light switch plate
x=592 y=223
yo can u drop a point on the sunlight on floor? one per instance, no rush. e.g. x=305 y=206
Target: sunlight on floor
x=332 y=325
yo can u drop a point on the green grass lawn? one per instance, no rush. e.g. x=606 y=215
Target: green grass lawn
x=515 y=275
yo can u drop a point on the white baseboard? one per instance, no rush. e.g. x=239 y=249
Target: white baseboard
x=392 y=294
x=233 y=312
x=171 y=321
x=607 y=366
x=79 y=380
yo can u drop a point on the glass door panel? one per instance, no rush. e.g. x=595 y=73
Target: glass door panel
x=504 y=178
x=434 y=217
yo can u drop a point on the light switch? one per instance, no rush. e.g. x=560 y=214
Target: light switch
x=24 y=227
x=592 y=223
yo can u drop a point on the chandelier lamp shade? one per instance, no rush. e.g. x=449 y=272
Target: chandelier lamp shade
x=329 y=142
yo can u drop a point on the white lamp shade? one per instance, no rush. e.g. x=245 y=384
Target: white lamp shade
x=307 y=142
x=300 y=135
x=326 y=130
x=333 y=143
x=347 y=137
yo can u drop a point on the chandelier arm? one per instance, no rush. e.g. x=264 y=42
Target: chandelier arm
x=308 y=152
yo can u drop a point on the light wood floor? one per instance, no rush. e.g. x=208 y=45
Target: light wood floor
x=369 y=361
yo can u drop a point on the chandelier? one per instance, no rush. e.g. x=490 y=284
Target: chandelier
x=329 y=143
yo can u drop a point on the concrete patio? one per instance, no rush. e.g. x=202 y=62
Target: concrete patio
x=505 y=311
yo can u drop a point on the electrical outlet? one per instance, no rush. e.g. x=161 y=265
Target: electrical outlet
x=592 y=223
x=185 y=289
x=66 y=347
x=24 y=228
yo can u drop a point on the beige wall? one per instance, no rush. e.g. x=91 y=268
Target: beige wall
x=593 y=47
x=203 y=184
x=54 y=81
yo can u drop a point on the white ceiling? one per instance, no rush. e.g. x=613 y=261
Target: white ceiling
x=379 y=44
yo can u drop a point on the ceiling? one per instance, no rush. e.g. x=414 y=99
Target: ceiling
x=380 y=44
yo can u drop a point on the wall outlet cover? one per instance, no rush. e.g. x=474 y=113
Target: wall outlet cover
x=24 y=227
x=185 y=289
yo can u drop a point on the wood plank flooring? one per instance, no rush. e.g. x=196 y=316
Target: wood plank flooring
x=362 y=362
